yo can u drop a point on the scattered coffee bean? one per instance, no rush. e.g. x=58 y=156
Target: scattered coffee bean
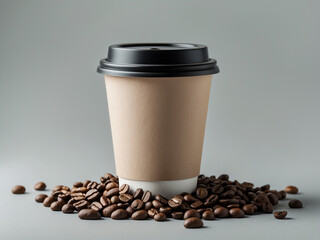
x=221 y=212
x=191 y=213
x=280 y=214
x=152 y=212
x=138 y=193
x=156 y=204
x=89 y=214
x=193 y=222
x=160 y=217
x=40 y=198
x=48 y=200
x=202 y=192
x=106 y=212
x=165 y=210
x=177 y=215
x=18 y=189
x=236 y=213
x=224 y=177
x=92 y=195
x=175 y=202
x=78 y=184
x=112 y=192
x=291 y=190
x=148 y=205
x=147 y=196
x=208 y=215
x=82 y=204
x=96 y=206
x=125 y=188
x=119 y=214
x=249 y=209
x=40 y=186
x=295 y=203
x=125 y=197
x=161 y=199
x=57 y=205
x=140 y=215
x=68 y=208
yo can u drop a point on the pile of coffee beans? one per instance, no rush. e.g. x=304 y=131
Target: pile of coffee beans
x=214 y=198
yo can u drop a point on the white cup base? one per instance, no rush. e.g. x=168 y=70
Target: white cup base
x=165 y=188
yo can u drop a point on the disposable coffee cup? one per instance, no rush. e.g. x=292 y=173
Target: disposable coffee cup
x=158 y=100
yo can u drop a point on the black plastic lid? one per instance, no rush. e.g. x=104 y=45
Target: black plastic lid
x=158 y=60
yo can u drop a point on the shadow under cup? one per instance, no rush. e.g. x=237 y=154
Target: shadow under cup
x=158 y=124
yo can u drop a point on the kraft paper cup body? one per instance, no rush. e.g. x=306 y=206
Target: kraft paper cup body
x=158 y=127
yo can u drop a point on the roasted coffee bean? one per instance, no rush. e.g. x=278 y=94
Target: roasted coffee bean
x=60 y=187
x=139 y=215
x=202 y=192
x=137 y=204
x=77 y=184
x=92 y=185
x=231 y=187
x=86 y=182
x=247 y=185
x=217 y=189
x=193 y=222
x=291 y=190
x=124 y=188
x=105 y=201
x=96 y=206
x=251 y=195
x=57 y=205
x=165 y=210
x=125 y=197
x=138 y=193
x=89 y=214
x=160 y=217
x=40 y=198
x=112 y=192
x=68 y=208
x=111 y=185
x=280 y=214
x=216 y=206
x=228 y=201
x=221 y=212
x=40 y=186
x=72 y=201
x=103 y=179
x=156 y=204
x=123 y=205
x=224 y=177
x=196 y=204
x=189 y=198
x=152 y=212
x=267 y=207
x=77 y=194
x=185 y=206
x=227 y=194
x=161 y=199
x=233 y=206
x=175 y=202
x=148 y=205
x=56 y=193
x=64 y=197
x=92 y=195
x=272 y=198
x=129 y=210
x=101 y=187
x=48 y=200
x=147 y=196
x=295 y=203
x=177 y=215
x=119 y=214
x=82 y=204
x=236 y=213
x=18 y=189
x=115 y=200
x=283 y=195
x=265 y=187
x=208 y=215
x=108 y=176
x=191 y=213
x=106 y=212
x=249 y=209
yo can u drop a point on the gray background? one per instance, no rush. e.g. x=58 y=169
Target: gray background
x=263 y=118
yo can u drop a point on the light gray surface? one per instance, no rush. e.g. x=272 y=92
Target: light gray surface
x=263 y=118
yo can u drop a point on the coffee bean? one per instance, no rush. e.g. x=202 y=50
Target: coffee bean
x=92 y=185
x=280 y=214
x=227 y=194
x=68 y=208
x=138 y=193
x=161 y=199
x=18 y=189
x=152 y=212
x=267 y=207
x=283 y=195
x=221 y=212
x=57 y=205
x=272 y=198
x=233 y=206
x=196 y=204
x=48 y=200
x=40 y=198
x=139 y=215
x=92 y=195
x=236 y=213
x=112 y=192
x=189 y=198
x=249 y=209
x=82 y=204
x=148 y=205
x=295 y=203
x=123 y=205
x=105 y=201
x=111 y=185
x=175 y=202
x=64 y=197
x=119 y=214
x=147 y=196
x=124 y=188
x=224 y=177
x=212 y=199
x=101 y=187
x=291 y=190
x=160 y=217
x=106 y=212
x=228 y=201
x=130 y=211
x=86 y=182
x=125 y=197
x=60 y=187
x=165 y=210
x=208 y=215
x=157 y=204
x=265 y=187
x=78 y=184
x=177 y=215
x=202 y=192
x=115 y=199
x=191 y=213
x=40 y=186
x=89 y=214
x=217 y=189
x=137 y=204
x=193 y=222
x=96 y=206
x=79 y=190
